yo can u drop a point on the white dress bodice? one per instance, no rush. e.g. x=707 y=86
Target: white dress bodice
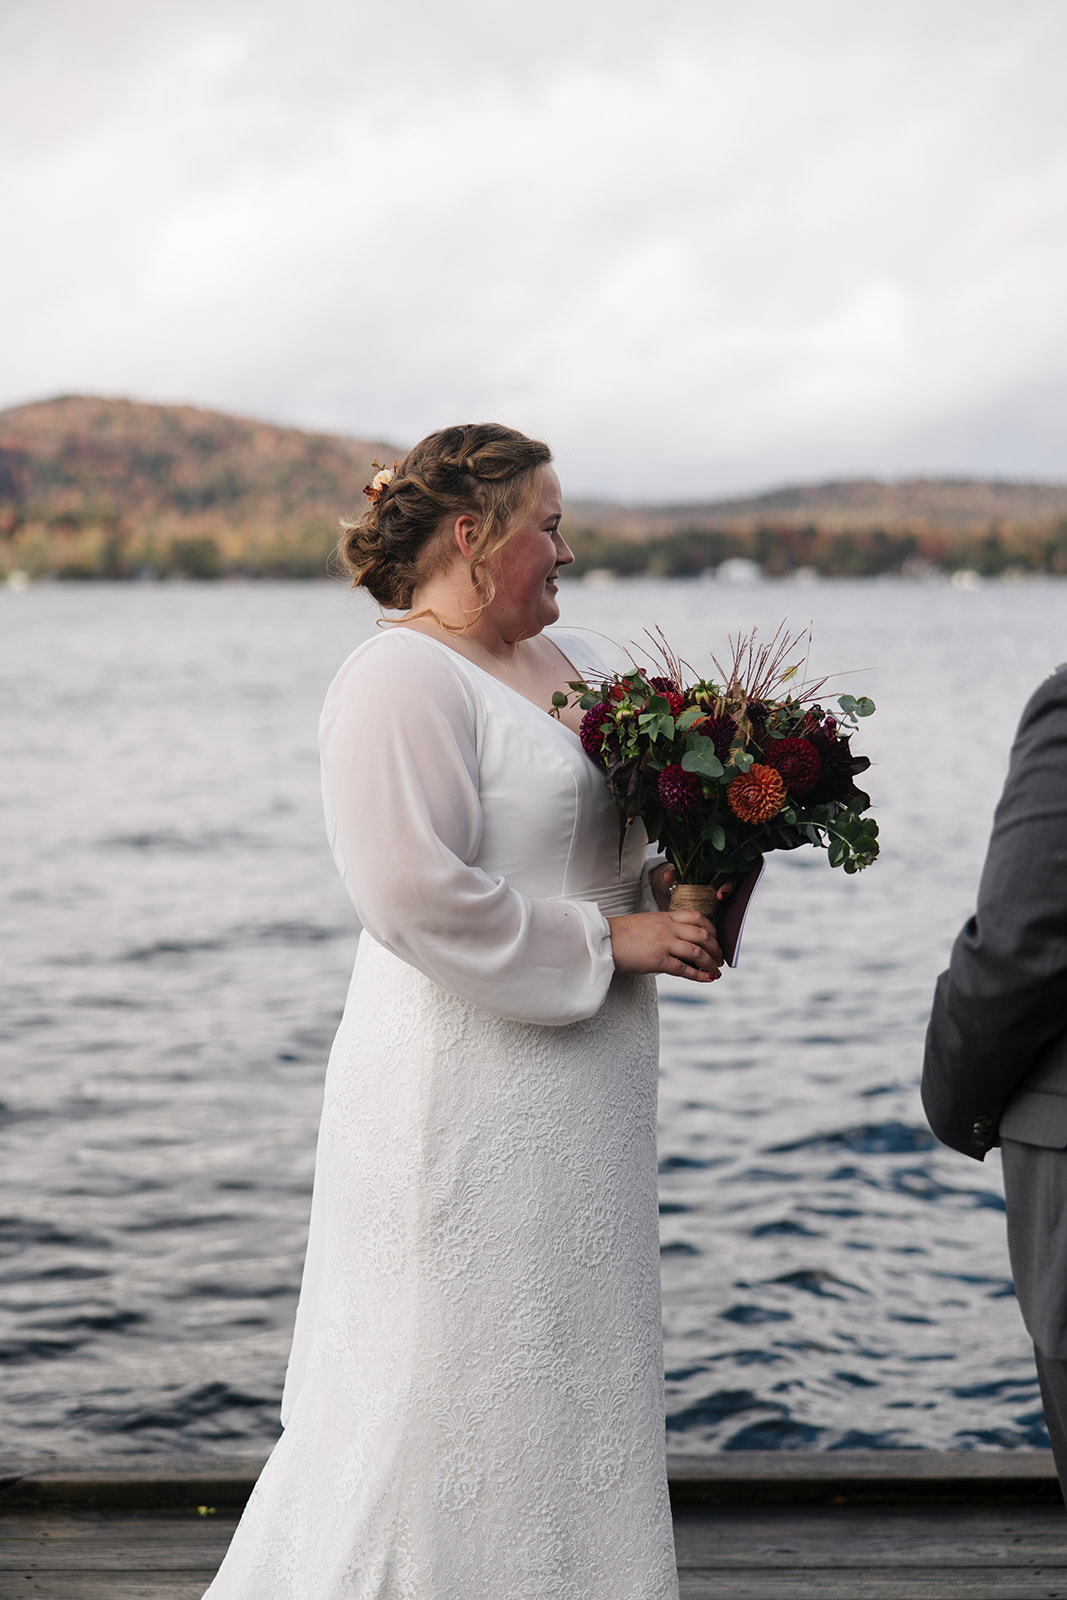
x=476 y=838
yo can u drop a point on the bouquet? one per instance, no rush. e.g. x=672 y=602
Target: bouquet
x=723 y=771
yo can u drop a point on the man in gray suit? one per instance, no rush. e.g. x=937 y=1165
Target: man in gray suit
x=996 y=1050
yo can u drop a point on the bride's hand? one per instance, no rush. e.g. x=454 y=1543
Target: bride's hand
x=682 y=943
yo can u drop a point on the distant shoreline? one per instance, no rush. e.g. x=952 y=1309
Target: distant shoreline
x=731 y=575
x=116 y=489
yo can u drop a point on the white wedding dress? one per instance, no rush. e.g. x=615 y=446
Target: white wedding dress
x=474 y=1403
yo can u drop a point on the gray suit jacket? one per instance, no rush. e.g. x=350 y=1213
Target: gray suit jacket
x=996 y=1047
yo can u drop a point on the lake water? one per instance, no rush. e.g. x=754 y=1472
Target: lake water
x=174 y=953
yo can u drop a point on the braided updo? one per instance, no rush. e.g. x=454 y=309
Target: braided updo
x=478 y=469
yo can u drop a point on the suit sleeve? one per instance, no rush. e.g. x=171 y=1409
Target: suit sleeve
x=1003 y=999
x=403 y=810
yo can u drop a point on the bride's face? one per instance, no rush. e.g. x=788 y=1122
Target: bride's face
x=524 y=572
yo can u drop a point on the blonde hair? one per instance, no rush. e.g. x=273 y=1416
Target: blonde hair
x=481 y=470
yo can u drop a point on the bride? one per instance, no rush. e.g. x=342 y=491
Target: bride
x=474 y=1402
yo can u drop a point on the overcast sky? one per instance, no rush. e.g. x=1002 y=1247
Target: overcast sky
x=700 y=247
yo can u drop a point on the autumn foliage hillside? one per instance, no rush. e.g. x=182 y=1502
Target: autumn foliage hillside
x=110 y=488
x=855 y=528
x=93 y=488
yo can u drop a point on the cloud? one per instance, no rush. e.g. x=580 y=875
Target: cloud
x=712 y=247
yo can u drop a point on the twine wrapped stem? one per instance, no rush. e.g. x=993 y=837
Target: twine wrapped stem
x=695 y=897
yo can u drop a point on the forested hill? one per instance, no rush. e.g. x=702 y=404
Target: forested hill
x=856 y=528
x=968 y=504
x=115 y=488
x=93 y=487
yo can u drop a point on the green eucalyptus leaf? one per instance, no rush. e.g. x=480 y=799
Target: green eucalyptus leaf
x=700 y=757
x=656 y=723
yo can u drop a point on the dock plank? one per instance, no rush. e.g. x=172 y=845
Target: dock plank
x=189 y=1585
x=871 y=1553
x=110 y=1556
x=989 y=1547
x=727 y=1537
x=863 y=1584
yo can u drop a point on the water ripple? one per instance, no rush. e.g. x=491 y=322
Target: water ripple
x=870 y=1139
x=178 y=949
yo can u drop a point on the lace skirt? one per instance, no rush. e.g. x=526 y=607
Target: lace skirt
x=474 y=1407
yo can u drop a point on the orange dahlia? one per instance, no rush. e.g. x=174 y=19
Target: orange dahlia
x=756 y=795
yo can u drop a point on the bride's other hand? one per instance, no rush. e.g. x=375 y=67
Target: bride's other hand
x=681 y=943
x=664 y=879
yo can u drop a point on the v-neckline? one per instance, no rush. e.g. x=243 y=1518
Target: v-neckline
x=517 y=693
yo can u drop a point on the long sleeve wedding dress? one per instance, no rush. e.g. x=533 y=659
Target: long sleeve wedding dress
x=474 y=1403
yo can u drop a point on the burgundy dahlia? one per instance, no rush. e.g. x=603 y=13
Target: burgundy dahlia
x=679 y=790
x=590 y=730
x=839 y=768
x=798 y=762
x=720 y=730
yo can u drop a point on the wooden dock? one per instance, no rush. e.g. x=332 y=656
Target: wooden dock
x=865 y=1525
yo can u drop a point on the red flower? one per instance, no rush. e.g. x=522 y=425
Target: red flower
x=679 y=790
x=798 y=762
x=590 y=730
x=669 y=692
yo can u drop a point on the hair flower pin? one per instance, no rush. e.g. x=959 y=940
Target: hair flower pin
x=382 y=477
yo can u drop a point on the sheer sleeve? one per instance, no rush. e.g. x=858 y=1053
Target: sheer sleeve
x=400 y=785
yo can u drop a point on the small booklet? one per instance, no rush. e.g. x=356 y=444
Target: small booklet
x=731 y=922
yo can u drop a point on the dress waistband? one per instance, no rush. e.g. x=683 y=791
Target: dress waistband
x=618 y=899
